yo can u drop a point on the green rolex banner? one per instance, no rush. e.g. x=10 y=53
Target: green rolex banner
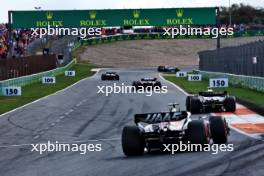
x=113 y=17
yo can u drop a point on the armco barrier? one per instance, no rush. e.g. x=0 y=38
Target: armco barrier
x=26 y=80
x=254 y=83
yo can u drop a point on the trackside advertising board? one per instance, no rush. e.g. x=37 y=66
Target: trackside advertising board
x=114 y=17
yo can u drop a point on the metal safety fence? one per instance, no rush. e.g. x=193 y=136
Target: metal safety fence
x=250 y=82
x=246 y=59
x=26 y=80
x=16 y=67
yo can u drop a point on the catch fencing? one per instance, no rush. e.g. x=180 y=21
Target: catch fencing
x=249 y=82
x=246 y=59
x=16 y=67
x=26 y=80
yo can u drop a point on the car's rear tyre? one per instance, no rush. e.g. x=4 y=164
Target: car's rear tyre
x=132 y=141
x=157 y=84
x=117 y=77
x=160 y=68
x=230 y=104
x=188 y=103
x=218 y=129
x=197 y=132
x=103 y=77
x=176 y=70
x=195 y=105
x=135 y=85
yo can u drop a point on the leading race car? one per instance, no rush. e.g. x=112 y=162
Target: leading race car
x=168 y=69
x=152 y=130
x=210 y=101
x=110 y=76
x=146 y=83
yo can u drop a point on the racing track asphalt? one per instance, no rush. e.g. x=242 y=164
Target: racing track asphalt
x=80 y=114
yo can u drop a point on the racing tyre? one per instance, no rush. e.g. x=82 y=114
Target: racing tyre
x=195 y=105
x=218 y=129
x=188 y=103
x=132 y=141
x=157 y=84
x=197 y=132
x=117 y=77
x=103 y=77
x=135 y=85
x=176 y=70
x=160 y=68
x=230 y=104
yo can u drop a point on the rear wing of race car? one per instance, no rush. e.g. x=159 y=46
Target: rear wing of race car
x=152 y=118
x=111 y=73
x=212 y=94
x=148 y=79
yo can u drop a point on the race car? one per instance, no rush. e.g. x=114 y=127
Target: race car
x=146 y=83
x=210 y=101
x=168 y=69
x=153 y=130
x=110 y=76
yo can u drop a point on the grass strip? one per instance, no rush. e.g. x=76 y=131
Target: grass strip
x=38 y=90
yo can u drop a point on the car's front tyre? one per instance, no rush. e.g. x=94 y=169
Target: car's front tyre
x=230 y=104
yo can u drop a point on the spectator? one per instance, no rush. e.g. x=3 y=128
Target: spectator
x=21 y=39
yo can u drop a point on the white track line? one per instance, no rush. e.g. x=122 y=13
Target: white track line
x=59 y=91
x=177 y=87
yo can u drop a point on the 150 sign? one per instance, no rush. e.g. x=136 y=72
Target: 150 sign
x=12 y=91
x=218 y=82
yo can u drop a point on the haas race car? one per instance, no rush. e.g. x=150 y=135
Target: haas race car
x=210 y=101
x=146 y=83
x=152 y=130
x=110 y=76
x=168 y=69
